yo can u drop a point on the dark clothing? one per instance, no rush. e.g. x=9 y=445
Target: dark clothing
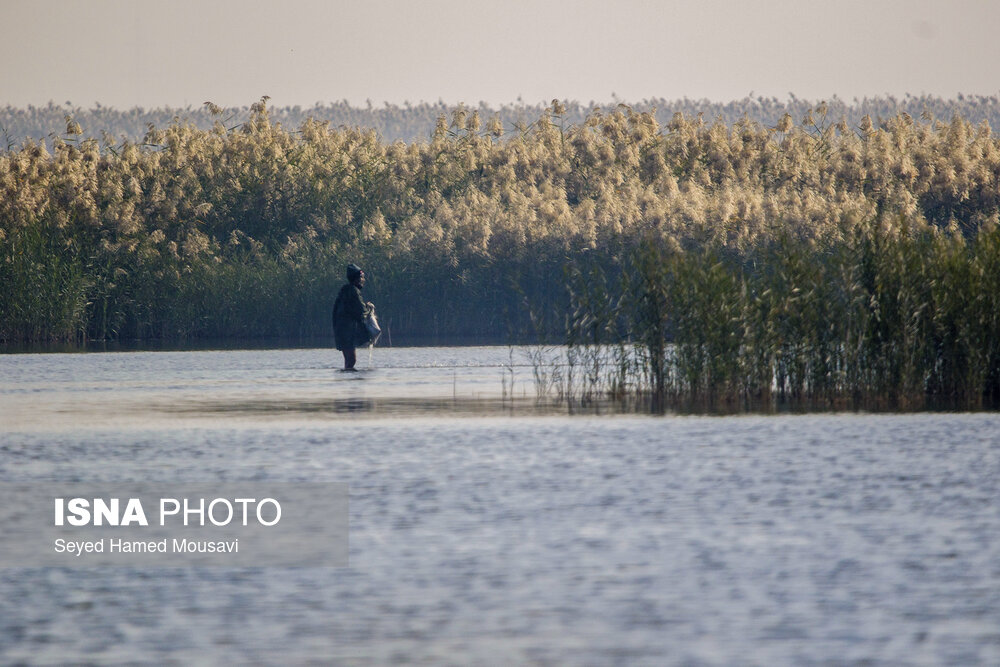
x=349 y=312
x=350 y=358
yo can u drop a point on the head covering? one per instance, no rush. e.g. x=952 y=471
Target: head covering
x=353 y=272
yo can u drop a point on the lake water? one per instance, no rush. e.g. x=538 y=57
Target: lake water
x=486 y=532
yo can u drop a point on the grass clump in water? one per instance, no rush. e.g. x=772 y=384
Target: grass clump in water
x=896 y=317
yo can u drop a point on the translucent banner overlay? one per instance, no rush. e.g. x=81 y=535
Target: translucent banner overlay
x=235 y=524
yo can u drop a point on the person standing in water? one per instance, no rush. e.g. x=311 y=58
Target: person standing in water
x=349 y=313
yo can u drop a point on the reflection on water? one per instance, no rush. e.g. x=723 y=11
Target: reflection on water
x=74 y=390
x=393 y=407
x=510 y=537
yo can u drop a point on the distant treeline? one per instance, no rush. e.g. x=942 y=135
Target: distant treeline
x=411 y=122
x=243 y=229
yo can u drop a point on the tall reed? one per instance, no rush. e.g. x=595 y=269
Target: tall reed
x=899 y=316
x=243 y=229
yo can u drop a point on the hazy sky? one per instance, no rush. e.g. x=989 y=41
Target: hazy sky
x=126 y=53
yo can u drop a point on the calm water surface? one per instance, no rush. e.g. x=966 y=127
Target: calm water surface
x=487 y=535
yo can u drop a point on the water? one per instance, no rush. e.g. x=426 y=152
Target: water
x=485 y=534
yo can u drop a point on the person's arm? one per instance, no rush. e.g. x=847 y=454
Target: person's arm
x=357 y=309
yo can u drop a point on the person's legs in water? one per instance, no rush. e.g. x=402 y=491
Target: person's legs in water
x=350 y=358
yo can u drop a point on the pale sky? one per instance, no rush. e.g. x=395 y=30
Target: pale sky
x=149 y=53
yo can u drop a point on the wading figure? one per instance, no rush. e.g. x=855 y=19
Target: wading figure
x=349 y=313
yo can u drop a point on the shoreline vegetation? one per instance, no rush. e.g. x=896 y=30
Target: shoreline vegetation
x=813 y=260
x=890 y=318
x=416 y=122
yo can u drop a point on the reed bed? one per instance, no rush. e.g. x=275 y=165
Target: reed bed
x=243 y=230
x=896 y=317
x=415 y=122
